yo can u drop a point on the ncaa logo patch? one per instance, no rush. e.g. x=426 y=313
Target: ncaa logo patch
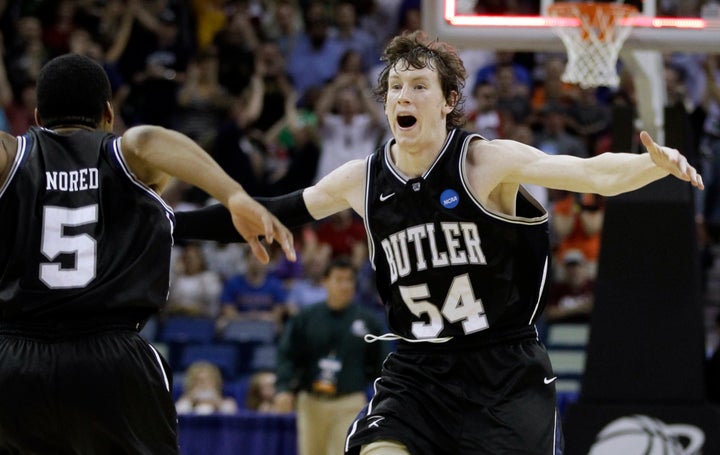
x=449 y=199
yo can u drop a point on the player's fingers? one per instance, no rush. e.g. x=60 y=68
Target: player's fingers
x=258 y=250
x=694 y=177
x=268 y=227
x=683 y=166
x=285 y=238
x=647 y=140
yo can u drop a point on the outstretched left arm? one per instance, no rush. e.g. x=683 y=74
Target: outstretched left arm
x=608 y=174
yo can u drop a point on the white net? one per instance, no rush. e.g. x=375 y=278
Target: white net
x=594 y=42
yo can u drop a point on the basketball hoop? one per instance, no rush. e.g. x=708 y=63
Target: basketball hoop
x=593 y=43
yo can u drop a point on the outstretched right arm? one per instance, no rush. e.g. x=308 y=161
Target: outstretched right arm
x=154 y=153
x=341 y=189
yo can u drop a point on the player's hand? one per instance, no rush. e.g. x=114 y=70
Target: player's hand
x=672 y=161
x=253 y=221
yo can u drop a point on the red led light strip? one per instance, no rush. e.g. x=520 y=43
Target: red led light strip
x=453 y=18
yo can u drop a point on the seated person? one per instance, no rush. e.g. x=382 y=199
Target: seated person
x=194 y=290
x=261 y=392
x=203 y=392
x=571 y=296
x=255 y=295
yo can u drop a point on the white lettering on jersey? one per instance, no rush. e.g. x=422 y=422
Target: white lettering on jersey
x=70 y=181
x=462 y=240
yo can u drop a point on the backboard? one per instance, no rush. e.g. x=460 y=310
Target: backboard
x=463 y=24
x=456 y=22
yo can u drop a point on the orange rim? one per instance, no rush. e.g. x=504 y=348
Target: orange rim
x=593 y=15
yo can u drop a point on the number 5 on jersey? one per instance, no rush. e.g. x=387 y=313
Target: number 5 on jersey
x=56 y=242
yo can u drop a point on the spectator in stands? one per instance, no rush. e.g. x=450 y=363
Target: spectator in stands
x=271 y=66
x=676 y=87
x=324 y=364
x=345 y=233
x=233 y=149
x=56 y=34
x=203 y=392
x=409 y=16
x=254 y=295
x=195 y=290
x=157 y=82
x=554 y=139
x=314 y=49
x=261 y=392
x=286 y=271
x=485 y=119
x=26 y=52
x=379 y=18
x=236 y=45
x=572 y=294
x=351 y=37
x=82 y=42
x=551 y=89
x=577 y=221
x=296 y=136
x=588 y=117
x=489 y=74
x=512 y=98
x=309 y=289
x=349 y=120
x=20 y=112
x=210 y=19
x=203 y=101
x=225 y=259
x=284 y=25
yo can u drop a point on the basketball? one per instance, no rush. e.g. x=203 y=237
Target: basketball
x=641 y=435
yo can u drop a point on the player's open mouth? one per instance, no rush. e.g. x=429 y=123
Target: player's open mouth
x=406 y=121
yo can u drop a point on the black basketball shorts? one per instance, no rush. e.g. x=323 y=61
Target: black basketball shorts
x=106 y=392
x=487 y=401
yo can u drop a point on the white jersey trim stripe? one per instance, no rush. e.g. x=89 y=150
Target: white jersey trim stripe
x=160 y=364
x=366 y=217
x=21 y=151
x=121 y=160
x=353 y=429
x=542 y=285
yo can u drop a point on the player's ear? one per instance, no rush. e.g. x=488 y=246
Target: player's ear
x=451 y=101
x=38 y=121
x=108 y=117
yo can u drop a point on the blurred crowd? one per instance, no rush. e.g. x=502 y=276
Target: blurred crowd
x=279 y=92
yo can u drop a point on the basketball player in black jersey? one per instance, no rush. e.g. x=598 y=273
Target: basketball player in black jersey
x=460 y=251
x=84 y=260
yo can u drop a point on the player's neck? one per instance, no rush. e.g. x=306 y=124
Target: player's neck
x=416 y=158
x=70 y=128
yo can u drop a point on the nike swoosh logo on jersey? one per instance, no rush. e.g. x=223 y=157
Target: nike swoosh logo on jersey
x=550 y=380
x=376 y=422
x=385 y=197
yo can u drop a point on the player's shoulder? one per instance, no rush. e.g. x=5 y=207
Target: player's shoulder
x=348 y=172
x=493 y=149
x=8 y=149
x=7 y=139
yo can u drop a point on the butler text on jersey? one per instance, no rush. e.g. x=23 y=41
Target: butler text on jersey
x=462 y=240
